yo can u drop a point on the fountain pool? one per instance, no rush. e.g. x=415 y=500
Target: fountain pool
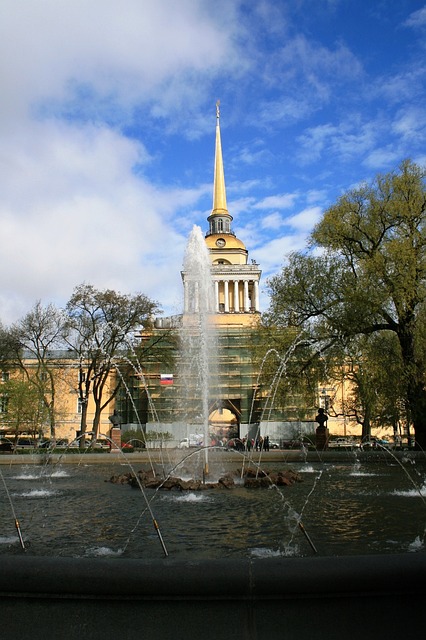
x=348 y=508
x=238 y=564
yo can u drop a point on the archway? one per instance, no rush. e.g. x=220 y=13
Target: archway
x=224 y=420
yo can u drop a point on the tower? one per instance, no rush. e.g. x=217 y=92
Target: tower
x=230 y=311
x=236 y=282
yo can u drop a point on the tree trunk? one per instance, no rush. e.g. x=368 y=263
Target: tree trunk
x=96 y=419
x=416 y=396
x=415 y=384
x=83 y=424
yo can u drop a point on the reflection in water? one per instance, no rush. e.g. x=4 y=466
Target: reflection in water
x=346 y=509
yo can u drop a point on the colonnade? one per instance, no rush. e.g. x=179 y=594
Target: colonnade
x=230 y=296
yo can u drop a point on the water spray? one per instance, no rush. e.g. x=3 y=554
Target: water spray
x=307 y=536
x=17 y=525
x=154 y=521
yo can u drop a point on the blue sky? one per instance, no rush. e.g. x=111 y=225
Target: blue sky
x=108 y=122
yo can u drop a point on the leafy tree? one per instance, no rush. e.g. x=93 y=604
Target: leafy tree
x=100 y=327
x=289 y=371
x=23 y=409
x=365 y=275
x=372 y=366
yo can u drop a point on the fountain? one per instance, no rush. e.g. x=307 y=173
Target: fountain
x=86 y=561
x=197 y=337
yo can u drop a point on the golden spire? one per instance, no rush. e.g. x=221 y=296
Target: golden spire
x=219 y=192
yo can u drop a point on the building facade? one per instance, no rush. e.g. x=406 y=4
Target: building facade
x=236 y=402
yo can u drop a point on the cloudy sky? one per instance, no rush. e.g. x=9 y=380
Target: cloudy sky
x=108 y=120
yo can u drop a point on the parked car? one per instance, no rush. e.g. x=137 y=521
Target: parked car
x=6 y=445
x=292 y=444
x=343 y=443
x=44 y=444
x=372 y=442
x=26 y=443
x=99 y=444
x=273 y=444
x=194 y=440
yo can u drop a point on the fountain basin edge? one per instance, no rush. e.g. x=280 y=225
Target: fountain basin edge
x=321 y=597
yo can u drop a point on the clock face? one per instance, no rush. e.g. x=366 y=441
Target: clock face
x=220 y=242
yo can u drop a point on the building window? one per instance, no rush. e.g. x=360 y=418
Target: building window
x=3 y=404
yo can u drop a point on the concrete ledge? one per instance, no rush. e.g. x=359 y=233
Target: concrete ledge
x=340 y=597
x=343 y=456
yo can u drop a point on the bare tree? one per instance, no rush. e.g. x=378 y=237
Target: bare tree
x=31 y=344
x=100 y=325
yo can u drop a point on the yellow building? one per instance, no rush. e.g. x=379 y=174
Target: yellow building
x=236 y=314
x=66 y=406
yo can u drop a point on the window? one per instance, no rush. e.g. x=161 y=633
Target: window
x=3 y=404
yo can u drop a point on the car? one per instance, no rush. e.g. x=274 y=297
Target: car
x=343 y=443
x=99 y=444
x=292 y=444
x=26 y=443
x=273 y=444
x=44 y=444
x=371 y=442
x=194 y=440
x=6 y=445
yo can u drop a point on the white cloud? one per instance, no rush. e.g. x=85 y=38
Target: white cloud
x=346 y=141
x=382 y=157
x=272 y=221
x=75 y=204
x=316 y=66
x=80 y=214
x=122 y=51
x=410 y=123
x=305 y=220
x=417 y=18
x=281 y=201
x=272 y=255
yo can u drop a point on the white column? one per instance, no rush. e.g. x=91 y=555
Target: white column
x=246 y=297
x=256 y=295
x=186 y=296
x=216 y=296
x=236 y=298
x=226 y=293
x=196 y=298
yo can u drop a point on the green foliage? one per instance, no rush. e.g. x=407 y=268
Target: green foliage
x=365 y=275
x=158 y=435
x=290 y=370
x=23 y=408
x=133 y=434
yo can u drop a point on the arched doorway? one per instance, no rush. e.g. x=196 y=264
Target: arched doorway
x=224 y=420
